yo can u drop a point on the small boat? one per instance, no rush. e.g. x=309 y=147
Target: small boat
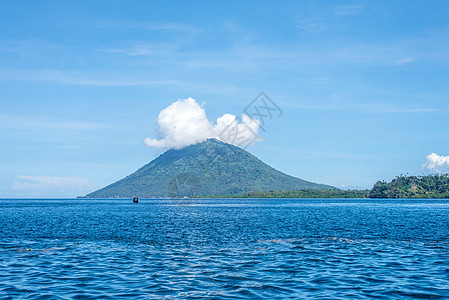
x=135 y=199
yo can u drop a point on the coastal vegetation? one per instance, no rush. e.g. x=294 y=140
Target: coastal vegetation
x=304 y=193
x=431 y=186
x=402 y=187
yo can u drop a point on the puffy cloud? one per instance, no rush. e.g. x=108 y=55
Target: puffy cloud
x=233 y=130
x=185 y=123
x=437 y=163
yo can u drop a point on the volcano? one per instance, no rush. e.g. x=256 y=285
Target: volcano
x=209 y=168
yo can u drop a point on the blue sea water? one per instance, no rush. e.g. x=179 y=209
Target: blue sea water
x=224 y=249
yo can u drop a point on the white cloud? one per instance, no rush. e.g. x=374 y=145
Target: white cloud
x=437 y=163
x=185 y=122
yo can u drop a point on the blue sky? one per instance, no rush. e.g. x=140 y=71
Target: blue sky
x=363 y=85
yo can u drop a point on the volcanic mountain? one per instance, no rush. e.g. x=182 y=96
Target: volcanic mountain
x=206 y=169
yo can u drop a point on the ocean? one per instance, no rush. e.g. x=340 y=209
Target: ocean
x=224 y=249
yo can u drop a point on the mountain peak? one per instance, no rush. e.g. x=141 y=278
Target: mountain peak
x=211 y=142
x=204 y=169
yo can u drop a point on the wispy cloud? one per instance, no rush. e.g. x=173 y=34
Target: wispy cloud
x=232 y=27
x=53 y=186
x=142 y=49
x=404 y=61
x=40 y=182
x=156 y=26
x=300 y=56
x=311 y=26
x=347 y=10
x=42 y=123
x=375 y=108
x=29 y=47
x=413 y=110
x=326 y=20
x=169 y=26
x=77 y=78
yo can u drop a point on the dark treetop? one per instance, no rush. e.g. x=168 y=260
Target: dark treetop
x=209 y=168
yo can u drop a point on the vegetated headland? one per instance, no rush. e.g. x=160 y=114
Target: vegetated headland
x=402 y=187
